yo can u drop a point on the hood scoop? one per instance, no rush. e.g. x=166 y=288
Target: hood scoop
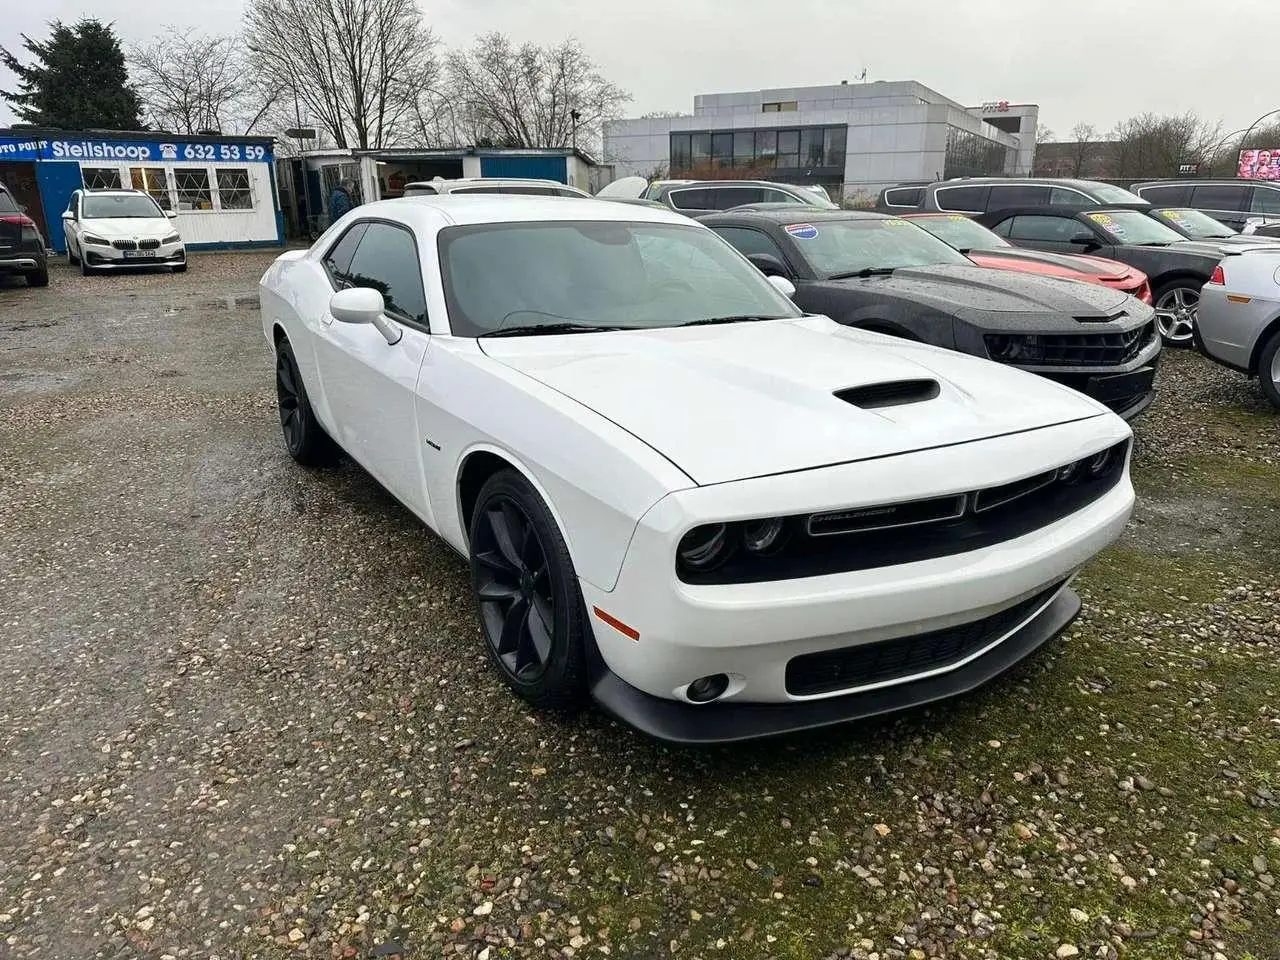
x=894 y=393
x=1103 y=318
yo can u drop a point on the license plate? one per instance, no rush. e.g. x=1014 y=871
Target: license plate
x=137 y=254
x=1118 y=386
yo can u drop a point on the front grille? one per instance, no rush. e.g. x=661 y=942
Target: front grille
x=878 y=535
x=148 y=244
x=1070 y=349
x=903 y=657
x=124 y=244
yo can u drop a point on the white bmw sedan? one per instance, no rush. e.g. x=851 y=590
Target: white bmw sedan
x=716 y=516
x=109 y=229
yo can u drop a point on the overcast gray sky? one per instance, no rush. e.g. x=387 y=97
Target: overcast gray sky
x=1092 y=61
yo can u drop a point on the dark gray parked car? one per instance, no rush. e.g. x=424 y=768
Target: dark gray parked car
x=976 y=195
x=22 y=249
x=1234 y=202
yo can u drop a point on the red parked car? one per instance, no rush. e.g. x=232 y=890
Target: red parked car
x=989 y=250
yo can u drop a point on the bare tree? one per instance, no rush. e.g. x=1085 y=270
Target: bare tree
x=531 y=96
x=1084 y=139
x=1154 y=146
x=189 y=81
x=361 y=68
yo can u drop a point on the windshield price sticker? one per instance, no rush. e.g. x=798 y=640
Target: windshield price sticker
x=1102 y=218
x=898 y=223
x=802 y=231
x=956 y=216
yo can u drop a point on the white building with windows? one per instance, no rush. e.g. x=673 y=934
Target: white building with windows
x=223 y=188
x=853 y=138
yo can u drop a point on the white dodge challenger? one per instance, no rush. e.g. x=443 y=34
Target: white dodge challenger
x=717 y=517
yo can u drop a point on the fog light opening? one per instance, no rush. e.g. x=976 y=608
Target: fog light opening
x=706 y=689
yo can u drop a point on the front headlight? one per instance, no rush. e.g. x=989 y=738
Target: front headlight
x=707 y=547
x=96 y=241
x=171 y=238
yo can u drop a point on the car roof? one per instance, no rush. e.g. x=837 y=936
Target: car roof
x=1208 y=181
x=675 y=184
x=1058 y=210
x=498 y=208
x=1019 y=181
x=489 y=181
x=801 y=215
x=108 y=191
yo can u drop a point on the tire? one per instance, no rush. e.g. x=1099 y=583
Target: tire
x=38 y=279
x=1176 y=303
x=72 y=259
x=531 y=612
x=304 y=438
x=85 y=269
x=1269 y=370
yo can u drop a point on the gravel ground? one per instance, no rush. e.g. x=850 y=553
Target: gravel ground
x=247 y=713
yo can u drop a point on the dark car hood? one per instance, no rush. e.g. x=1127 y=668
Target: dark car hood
x=956 y=289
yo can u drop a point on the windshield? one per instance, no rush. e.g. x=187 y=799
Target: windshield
x=6 y=203
x=1106 y=193
x=1130 y=226
x=597 y=274
x=820 y=196
x=1194 y=222
x=838 y=247
x=129 y=205
x=961 y=232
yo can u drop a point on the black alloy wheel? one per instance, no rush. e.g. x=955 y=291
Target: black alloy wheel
x=304 y=438
x=531 y=611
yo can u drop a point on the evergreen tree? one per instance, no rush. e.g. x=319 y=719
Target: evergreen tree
x=75 y=81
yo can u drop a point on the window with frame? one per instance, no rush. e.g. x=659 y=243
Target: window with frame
x=338 y=260
x=234 y=189
x=1066 y=197
x=750 y=242
x=1016 y=195
x=697 y=198
x=100 y=178
x=387 y=261
x=1265 y=200
x=1219 y=197
x=1172 y=195
x=154 y=181
x=1048 y=229
x=904 y=197
x=961 y=199
x=192 y=186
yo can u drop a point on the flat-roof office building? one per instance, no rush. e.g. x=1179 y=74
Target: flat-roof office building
x=849 y=137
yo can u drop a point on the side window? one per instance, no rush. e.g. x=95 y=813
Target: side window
x=1047 y=229
x=1171 y=194
x=1003 y=228
x=420 y=191
x=962 y=199
x=73 y=203
x=1224 y=196
x=338 y=260
x=748 y=242
x=1017 y=195
x=779 y=196
x=1265 y=200
x=558 y=192
x=726 y=198
x=700 y=199
x=481 y=190
x=904 y=197
x=525 y=191
x=1066 y=197
x=387 y=261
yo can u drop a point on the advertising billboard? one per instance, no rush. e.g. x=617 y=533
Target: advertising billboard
x=1261 y=164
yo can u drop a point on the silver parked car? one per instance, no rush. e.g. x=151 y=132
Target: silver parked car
x=696 y=198
x=1239 y=318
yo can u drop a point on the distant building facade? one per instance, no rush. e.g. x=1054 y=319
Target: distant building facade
x=857 y=137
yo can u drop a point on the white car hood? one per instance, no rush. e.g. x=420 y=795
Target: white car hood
x=128 y=228
x=750 y=399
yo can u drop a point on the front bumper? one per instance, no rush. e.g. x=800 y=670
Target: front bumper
x=752 y=632
x=1126 y=389
x=678 y=722
x=108 y=258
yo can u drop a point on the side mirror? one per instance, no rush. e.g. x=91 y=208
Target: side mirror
x=171 y=214
x=68 y=215
x=783 y=285
x=363 y=305
x=1083 y=240
x=768 y=264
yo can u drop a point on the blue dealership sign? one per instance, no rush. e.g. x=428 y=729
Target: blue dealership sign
x=88 y=148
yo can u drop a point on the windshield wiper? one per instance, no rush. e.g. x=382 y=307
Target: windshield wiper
x=1155 y=243
x=539 y=329
x=864 y=272
x=708 y=321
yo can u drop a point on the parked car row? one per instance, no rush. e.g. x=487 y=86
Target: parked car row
x=714 y=510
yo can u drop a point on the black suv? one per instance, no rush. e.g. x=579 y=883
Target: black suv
x=22 y=249
x=977 y=195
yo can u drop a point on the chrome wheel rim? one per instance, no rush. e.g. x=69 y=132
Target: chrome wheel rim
x=1275 y=369
x=1176 y=313
x=514 y=589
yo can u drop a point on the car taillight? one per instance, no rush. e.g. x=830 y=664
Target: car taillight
x=17 y=218
x=1218 y=276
